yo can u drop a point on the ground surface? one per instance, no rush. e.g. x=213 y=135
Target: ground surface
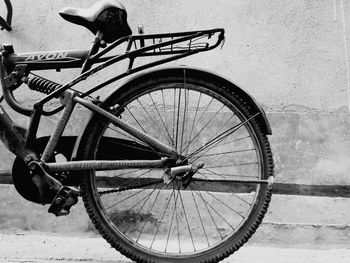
x=43 y=247
x=296 y=229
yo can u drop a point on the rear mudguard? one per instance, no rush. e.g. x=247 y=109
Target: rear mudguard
x=262 y=119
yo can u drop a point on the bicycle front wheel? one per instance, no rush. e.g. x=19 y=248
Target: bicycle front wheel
x=201 y=218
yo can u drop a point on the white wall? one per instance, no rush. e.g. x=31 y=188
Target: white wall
x=291 y=55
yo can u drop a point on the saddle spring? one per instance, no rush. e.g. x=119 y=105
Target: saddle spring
x=41 y=84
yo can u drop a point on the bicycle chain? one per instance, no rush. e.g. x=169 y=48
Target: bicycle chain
x=125 y=188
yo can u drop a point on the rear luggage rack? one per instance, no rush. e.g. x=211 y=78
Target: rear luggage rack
x=176 y=43
x=168 y=43
x=173 y=45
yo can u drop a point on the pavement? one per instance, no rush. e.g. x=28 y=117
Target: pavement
x=46 y=247
x=296 y=229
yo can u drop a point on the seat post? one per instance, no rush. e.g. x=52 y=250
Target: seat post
x=96 y=44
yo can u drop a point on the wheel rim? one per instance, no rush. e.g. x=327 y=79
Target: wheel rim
x=172 y=220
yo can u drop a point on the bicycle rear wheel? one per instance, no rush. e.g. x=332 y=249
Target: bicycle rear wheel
x=200 y=219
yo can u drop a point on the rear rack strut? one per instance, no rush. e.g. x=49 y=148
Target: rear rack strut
x=178 y=45
x=172 y=46
x=168 y=43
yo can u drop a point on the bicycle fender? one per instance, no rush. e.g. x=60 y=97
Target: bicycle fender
x=256 y=107
x=262 y=119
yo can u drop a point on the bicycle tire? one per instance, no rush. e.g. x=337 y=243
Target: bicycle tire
x=122 y=225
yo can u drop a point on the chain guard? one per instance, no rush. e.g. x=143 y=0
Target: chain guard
x=107 y=151
x=22 y=178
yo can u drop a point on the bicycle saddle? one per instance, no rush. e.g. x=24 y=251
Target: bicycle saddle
x=107 y=16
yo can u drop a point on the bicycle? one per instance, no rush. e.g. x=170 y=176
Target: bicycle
x=173 y=166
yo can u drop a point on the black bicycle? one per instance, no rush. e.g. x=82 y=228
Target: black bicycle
x=174 y=166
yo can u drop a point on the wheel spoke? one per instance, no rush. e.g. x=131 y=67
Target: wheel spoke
x=177 y=223
x=155 y=124
x=222 y=202
x=214 y=146
x=145 y=199
x=216 y=212
x=223 y=175
x=232 y=165
x=184 y=116
x=200 y=218
x=192 y=214
x=141 y=126
x=194 y=121
x=149 y=211
x=221 y=136
x=195 y=126
x=123 y=134
x=135 y=119
x=165 y=209
x=185 y=214
x=127 y=198
x=207 y=205
x=240 y=198
x=209 y=121
x=171 y=223
x=228 y=152
x=161 y=119
x=174 y=114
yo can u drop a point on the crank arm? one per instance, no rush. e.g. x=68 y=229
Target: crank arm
x=38 y=169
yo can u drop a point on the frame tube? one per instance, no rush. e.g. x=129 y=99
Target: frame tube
x=102 y=165
x=71 y=59
x=128 y=128
x=60 y=126
x=12 y=139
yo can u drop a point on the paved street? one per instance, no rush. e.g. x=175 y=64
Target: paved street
x=42 y=247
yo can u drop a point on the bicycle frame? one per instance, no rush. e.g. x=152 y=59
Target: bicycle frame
x=192 y=144
x=22 y=64
x=6 y=23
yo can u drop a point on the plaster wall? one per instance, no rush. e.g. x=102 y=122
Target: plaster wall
x=292 y=56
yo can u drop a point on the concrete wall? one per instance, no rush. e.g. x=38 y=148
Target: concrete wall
x=292 y=56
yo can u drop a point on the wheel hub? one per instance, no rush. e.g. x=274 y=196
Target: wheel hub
x=182 y=173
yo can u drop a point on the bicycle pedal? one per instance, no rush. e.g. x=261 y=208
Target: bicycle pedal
x=65 y=198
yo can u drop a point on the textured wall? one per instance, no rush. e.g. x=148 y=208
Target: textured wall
x=292 y=56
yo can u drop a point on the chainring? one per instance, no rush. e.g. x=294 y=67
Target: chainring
x=127 y=149
x=22 y=179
